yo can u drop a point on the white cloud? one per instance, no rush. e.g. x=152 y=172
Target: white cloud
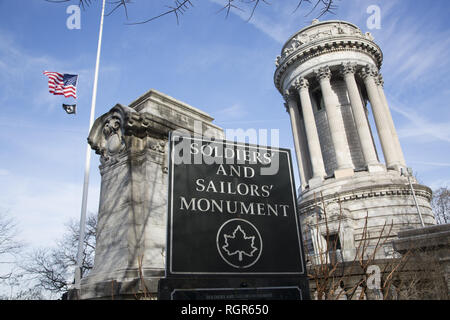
x=439 y=183
x=433 y=164
x=235 y=111
x=419 y=126
x=413 y=47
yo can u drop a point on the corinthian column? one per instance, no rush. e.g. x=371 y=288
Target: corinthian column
x=292 y=109
x=362 y=126
x=398 y=147
x=370 y=73
x=336 y=124
x=318 y=168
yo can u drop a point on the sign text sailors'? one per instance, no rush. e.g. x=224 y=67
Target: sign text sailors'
x=233 y=177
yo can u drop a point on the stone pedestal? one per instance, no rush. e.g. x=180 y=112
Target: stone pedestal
x=131 y=233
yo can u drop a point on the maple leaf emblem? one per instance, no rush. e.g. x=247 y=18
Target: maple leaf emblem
x=238 y=243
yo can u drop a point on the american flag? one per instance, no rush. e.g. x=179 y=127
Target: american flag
x=62 y=84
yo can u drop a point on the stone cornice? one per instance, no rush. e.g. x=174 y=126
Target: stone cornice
x=160 y=97
x=373 y=192
x=325 y=46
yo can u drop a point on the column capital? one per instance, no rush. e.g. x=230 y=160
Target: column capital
x=289 y=95
x=301 y=83
x=323 y=73
x=380 y=80
x=348 y=68
x=369 y=71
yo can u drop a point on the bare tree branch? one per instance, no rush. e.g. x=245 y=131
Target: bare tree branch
x=334 y=277
x=440 y=204
x=9 y=245
x=179 y=7
x=52 y=268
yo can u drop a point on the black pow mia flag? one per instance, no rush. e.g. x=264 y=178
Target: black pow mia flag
x=70 y=108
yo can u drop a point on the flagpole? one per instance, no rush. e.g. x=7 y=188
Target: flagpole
x=88 y=161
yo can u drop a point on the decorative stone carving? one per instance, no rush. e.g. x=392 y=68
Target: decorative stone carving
x=369 y=71
x=289 y=95
x=340 y=29
x=380 y=80
x=160 y=146
x=113 y=133
x=313 y=215
x=349 y=67
x=277 y=61
x=321 y=34
x=301 y=83
x=107 y=135
x=333 y=208
x=323 y=73
x=369 y=36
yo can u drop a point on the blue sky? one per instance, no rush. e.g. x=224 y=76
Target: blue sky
x=222 y=66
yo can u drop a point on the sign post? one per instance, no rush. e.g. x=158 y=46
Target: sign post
x=233 y=227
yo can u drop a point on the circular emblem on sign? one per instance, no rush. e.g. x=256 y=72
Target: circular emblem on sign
x=239 y=243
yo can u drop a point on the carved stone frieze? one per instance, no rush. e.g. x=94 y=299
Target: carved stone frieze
x=309 y=36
